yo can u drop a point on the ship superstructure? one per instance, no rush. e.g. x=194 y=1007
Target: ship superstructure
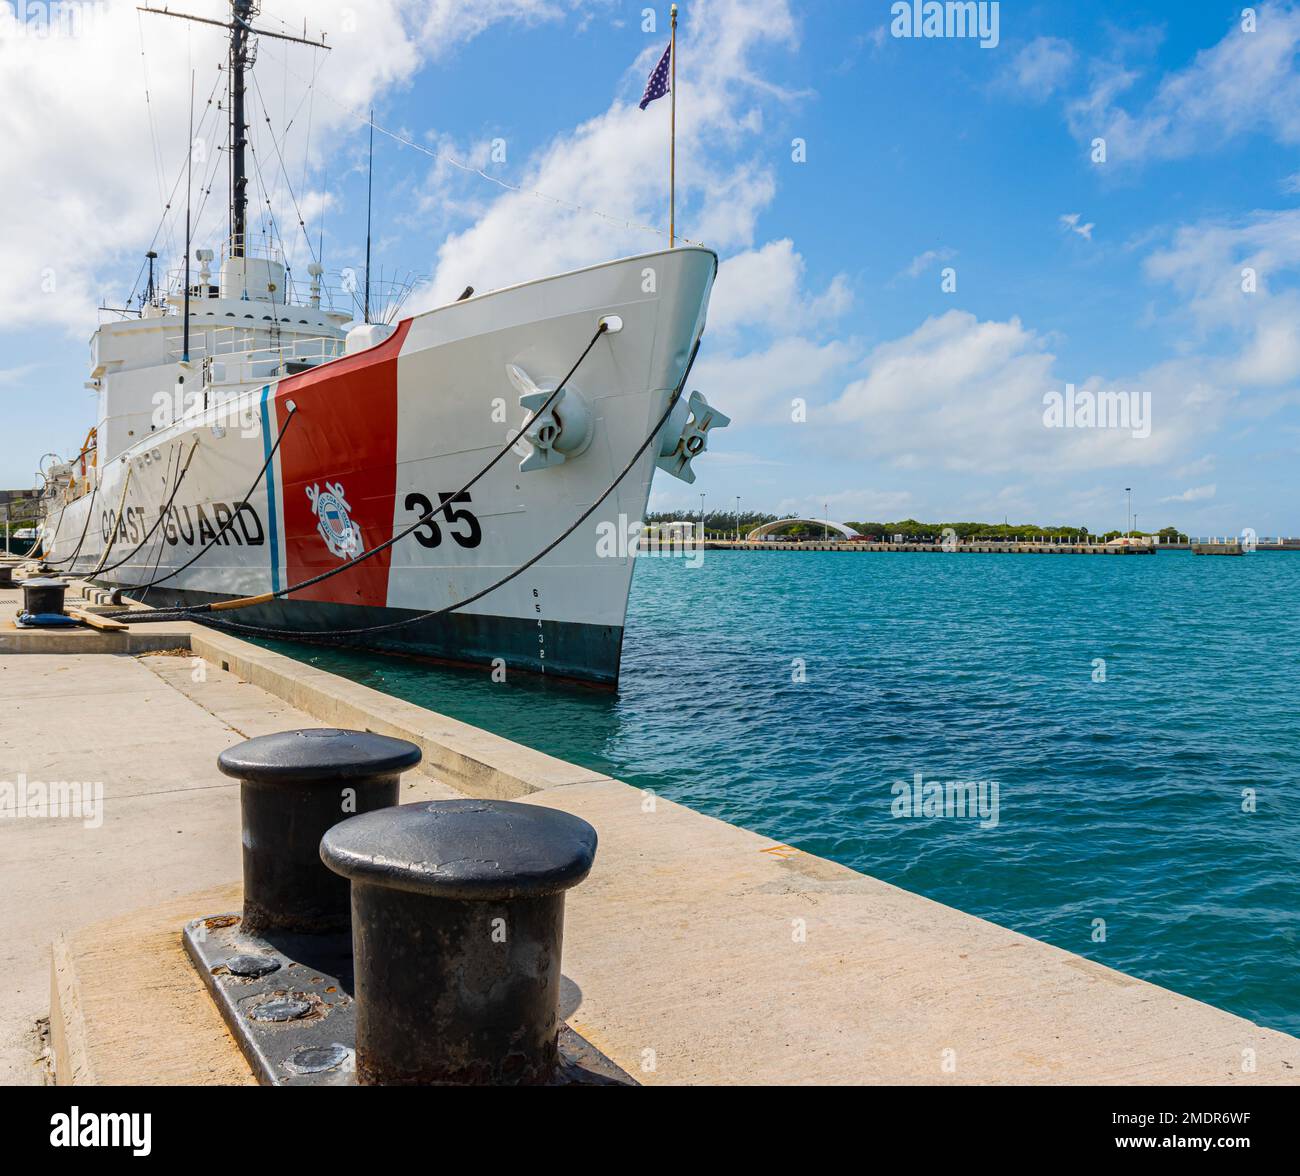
x=252 y=436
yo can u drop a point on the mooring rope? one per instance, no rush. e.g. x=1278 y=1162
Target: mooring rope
x=49 y=546
x=90 y=510
x=112 y=539
x=230 y=522
x=161 y=516
x=332 y=635
x=192 y=611
x=157 y=562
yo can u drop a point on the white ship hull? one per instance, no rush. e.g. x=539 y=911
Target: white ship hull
x=389 y=432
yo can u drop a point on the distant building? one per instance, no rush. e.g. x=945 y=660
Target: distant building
x=676 y=531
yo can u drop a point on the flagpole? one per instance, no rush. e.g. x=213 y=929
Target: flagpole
x=672 y=141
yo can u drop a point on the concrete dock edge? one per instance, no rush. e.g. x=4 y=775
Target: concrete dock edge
x=70 y=1054
x=470 y=759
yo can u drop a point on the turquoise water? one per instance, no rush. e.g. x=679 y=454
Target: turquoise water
x=1118 y=800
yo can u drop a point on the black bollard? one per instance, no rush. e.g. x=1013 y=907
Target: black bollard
x=457 y=925
x=44 y=597
x=7 y=576
x=293 y=787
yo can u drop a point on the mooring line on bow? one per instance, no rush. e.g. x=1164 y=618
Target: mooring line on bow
x=112 y=539
x=331 y=635
x=192 y=612
x=230 y=522
x=90 y=510
x=157 y=523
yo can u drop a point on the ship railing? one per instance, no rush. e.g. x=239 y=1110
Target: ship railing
x=254 y=245
x=341 y=296
x=252 y=364
x=341 y=291
x=243 y=355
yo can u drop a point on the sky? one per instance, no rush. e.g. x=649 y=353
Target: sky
x=937 y=251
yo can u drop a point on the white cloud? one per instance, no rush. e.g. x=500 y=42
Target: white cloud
x=1195 y=494
x=1239 y=279
x=87 y=166
x=1245 y=83
x=1272 y=355
x=858 y=505
x=763 y=288
x=966 y=395
x=1194 y=469
x=758 y=387
x=1041 y=67
x=923 y=261
x=616 y=162
x=1070 y=221
x=10 y=377
x=448 y=23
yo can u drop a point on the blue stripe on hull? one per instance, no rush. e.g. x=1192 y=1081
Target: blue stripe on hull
x=272 y=507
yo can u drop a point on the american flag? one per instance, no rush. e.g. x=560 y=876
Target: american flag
x=657 y=84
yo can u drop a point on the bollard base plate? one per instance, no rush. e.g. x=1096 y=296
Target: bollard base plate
x=287 y=1001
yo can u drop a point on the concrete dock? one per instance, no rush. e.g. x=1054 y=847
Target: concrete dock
x=1225 y=547
x=696 y=952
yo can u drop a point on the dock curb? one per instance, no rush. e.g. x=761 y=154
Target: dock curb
x=472 y=760
x=128 y=1009
x=70 y=1054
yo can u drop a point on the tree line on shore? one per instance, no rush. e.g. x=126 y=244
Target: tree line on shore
x=726 y=524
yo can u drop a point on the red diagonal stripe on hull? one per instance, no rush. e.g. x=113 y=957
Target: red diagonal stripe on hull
x=345 y=434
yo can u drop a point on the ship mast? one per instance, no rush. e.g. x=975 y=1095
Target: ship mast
x=242 y=13
x=242 y=48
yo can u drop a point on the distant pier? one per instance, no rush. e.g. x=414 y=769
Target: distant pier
x=1219 y=547
x=1235 y=545
x=974 y=547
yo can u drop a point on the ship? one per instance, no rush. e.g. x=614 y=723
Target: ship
x=440 y=485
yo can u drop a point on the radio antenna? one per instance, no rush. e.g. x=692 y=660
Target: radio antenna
x=189 y=185
x=241 y=54
x=370 y=191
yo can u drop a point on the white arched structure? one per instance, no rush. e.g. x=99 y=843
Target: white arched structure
x=779 y=524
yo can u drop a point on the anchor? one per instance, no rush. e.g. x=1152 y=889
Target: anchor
x=562 y=431
x=692 y=439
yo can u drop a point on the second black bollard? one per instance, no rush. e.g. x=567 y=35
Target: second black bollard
x=457 y=926
x=293 y=787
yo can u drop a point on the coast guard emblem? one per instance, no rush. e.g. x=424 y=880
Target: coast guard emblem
x=342 y=536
